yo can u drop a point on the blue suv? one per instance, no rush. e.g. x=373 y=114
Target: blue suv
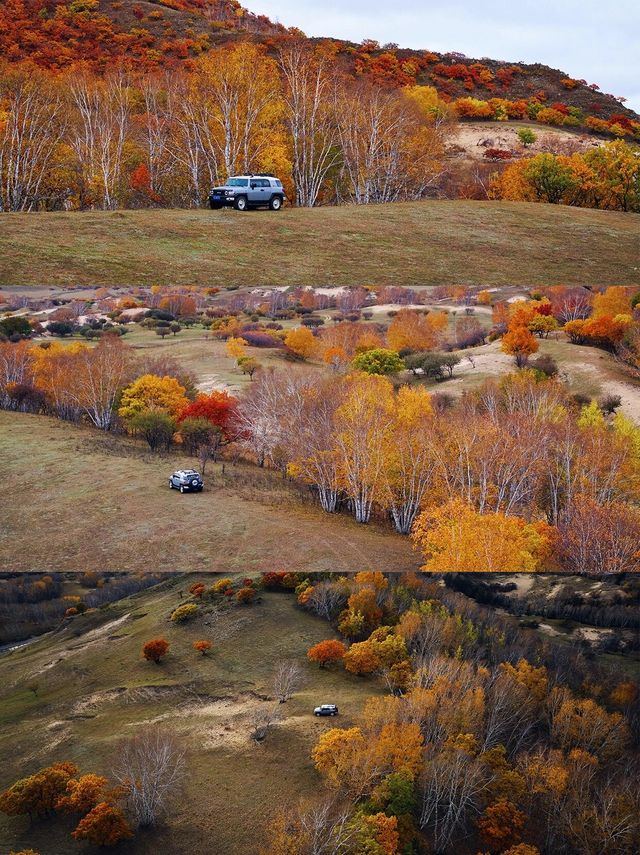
x=248 y=191
x=186 y=480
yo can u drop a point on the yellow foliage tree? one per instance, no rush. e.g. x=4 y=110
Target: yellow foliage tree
x=236 y=348
x=151 y=392
x=455 y=538
x=301 y=341
x=362 y=423
x=616 y=300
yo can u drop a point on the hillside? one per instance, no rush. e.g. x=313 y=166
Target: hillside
x=420 y=243
x=115 y=497
x=87 y=687
x=169 y=33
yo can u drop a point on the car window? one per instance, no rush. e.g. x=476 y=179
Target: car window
x=237 y=182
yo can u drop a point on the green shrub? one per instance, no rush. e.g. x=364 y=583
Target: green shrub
x=379 y=360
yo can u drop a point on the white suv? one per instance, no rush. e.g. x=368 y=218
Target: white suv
x=248 y=191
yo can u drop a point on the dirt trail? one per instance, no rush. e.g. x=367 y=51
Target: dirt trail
x=82 y=642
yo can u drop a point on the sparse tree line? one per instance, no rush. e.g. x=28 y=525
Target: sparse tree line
x=487 y=741
x=146 y=774
x=604 y=177
x=78 y=140
x=618 y=611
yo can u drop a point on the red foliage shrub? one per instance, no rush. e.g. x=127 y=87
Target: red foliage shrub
x=155 y=649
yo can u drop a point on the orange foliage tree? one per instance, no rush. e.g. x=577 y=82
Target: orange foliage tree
x=202 y=646
x=38 y=794
x=520 y=343
x=83 y=794
x=415 y=330
x=104 y=825
x=501 y=825
x=327 y=651
x=155 y=649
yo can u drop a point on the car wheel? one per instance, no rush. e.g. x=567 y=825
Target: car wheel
x=241 y=203
x=182 y=489
x=276 y=203
x=171 y=485
x=215 y=206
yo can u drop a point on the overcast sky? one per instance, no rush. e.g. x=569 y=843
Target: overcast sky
x=595 y=40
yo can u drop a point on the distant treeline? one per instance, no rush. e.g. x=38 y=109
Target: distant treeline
x=31 y=604
x=619 y=610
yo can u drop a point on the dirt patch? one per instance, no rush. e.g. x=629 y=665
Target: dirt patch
x=227 y=721
x=475 y=138
x=591 y=634
x=548 y=630
x=522 y=581
x=210 y=382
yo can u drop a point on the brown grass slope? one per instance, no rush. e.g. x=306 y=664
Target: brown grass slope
x=92 y=502
x=415 y=243
x=75 y=694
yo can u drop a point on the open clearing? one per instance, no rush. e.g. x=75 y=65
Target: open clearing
x=417 y=243
x=586 y=370
x=98 y=502
x=76 y=697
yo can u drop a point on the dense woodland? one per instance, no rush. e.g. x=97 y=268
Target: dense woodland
x=541 y=478
x=484 y=744
x=91 y=117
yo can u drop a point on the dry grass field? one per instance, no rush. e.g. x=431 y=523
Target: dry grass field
x=417 y=243
x=91 y=501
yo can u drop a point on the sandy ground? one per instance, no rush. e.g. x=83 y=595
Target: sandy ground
x=488 y=360
x=88 y=638
x=476 y=138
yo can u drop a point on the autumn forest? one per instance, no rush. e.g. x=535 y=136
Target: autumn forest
x=319 y=523
x=95 y=117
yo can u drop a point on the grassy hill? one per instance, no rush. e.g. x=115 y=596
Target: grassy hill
x=76 y=693
x=418 y=243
